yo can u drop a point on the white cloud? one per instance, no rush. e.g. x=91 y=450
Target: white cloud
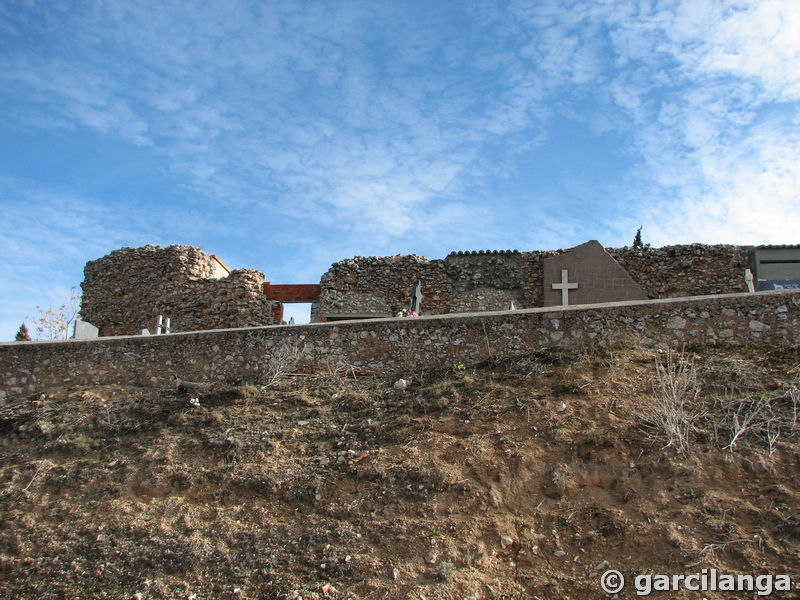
x=385 y=125
x=706 y=130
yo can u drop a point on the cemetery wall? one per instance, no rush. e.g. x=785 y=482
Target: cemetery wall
x=463 y=282
x=125 y=291
x=480 y=281
x=400 y=345
x=686 y=270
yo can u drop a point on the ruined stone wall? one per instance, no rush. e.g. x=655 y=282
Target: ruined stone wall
x=765 y=320
x=125 y=291
x=481 y=281
x=688 y=270
x=382 y=285
x=462 y=282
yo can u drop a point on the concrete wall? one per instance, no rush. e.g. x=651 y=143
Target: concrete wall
x=601 y=278
x=776 y=263
x=403 y=345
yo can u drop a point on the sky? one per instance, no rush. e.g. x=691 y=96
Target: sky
x=287 y=135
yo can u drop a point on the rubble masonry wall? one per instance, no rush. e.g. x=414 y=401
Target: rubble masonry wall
x=125 y=291
x=470 y=281
x=401 y=345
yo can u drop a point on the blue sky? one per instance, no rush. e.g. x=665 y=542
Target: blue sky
x=285 y=136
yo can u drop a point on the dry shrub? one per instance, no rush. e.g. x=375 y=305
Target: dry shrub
x=282 y=361
x=675 y=409
x=762 y=419
x=562 y=478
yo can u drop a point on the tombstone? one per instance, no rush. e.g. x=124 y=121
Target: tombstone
x=512 y=305
x=748 y=279
x=586 y=274
x=416 y=298
x=162 y=325
x=83 y=330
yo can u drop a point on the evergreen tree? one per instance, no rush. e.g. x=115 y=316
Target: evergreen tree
x=22 y=334
x=637 y=241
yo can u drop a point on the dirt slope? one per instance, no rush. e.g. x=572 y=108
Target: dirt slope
x=523 y=479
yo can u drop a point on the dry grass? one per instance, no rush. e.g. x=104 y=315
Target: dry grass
x=281 y=361
x=675 y=410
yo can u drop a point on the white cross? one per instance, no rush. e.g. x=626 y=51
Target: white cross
x=565 y=287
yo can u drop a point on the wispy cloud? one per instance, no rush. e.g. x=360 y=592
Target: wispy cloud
x=324 y=129
x=46 y=239
x=709 y=91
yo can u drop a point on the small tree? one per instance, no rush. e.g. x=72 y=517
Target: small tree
x=54 y=324
x=22 y=334
x=637 y=241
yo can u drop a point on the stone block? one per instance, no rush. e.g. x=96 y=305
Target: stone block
x=84 y=330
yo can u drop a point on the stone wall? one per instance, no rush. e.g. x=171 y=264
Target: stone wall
x=479 y=281
x=381 y=285
x=688 y=270
x=463 y=282
x=401 y=345
x=125 y=291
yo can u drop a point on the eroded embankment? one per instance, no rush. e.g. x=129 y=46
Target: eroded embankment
x=524 y=478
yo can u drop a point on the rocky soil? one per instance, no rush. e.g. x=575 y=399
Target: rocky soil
x=519 y=480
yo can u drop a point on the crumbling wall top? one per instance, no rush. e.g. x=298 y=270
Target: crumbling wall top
x=126 y=290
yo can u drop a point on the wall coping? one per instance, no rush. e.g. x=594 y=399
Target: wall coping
x=400 y=344
x=358 y=323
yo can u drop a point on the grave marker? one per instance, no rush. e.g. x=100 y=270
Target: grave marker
x=586 y=274
x=416 y=298
x=83 y=330
x=748 y=279
x=162 y=325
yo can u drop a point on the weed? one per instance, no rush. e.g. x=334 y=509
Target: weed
x=248 y=391
x=710 y=549
x=439 y=478
x=765 y=418
x=446 y=570
x=693 y=494
x=282 y=361
x=675 y=392
x=563 y=523
x=561 y=479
